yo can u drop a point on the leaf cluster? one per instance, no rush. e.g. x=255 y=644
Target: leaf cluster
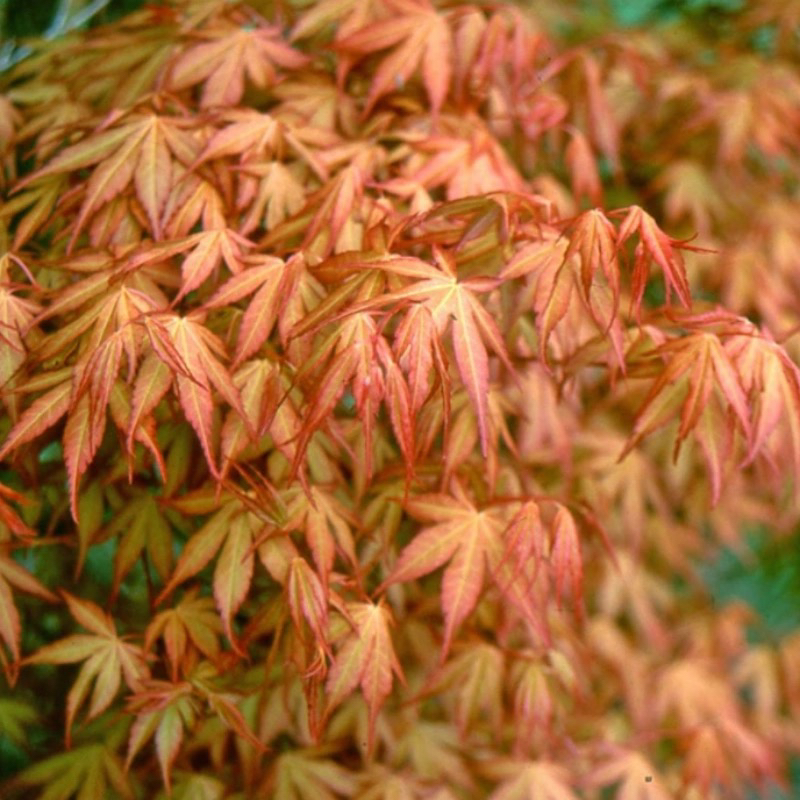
x=368 y=404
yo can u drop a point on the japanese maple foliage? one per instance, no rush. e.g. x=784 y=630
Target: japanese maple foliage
x=374 y=377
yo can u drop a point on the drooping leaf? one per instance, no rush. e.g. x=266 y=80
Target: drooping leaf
x=366 y=658
x=162 y=710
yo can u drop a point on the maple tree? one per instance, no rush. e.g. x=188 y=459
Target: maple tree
x=375 y=378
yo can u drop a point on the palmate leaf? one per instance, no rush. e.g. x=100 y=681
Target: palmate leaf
x=643 y=594
x=228 y=53
x=84 y=773
x=635 y=776
x=231 y=532
x=210 y=686
x=326 y=525
x=655 y=245
x=543 y=780
x=476 y=677
x=271 y=282
x=434 y=754
x=109 y=300
x=108 y=660
x=771 y=381
x=12 y=574
x=143 y=528
x=593 y=240
x=469 y=539
x=358 y=355
x=186 y=346
x=348 y=15
x=366 y=659
x=468 y=167
x=16 y=720
x=139 y=150
x=421 y=39
x=210 y=248
x=278 y=194
x=162 y=710
x=698 y=365
x=247 y=134
x=193 y=625
x=451 y=303
x=335 y=207
x=306 y=774
x=258 y=138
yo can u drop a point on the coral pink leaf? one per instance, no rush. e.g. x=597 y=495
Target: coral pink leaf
x=367 y=657
x=152 y=383
x=307 y=599
x=234 y=572
x=463 y=580
x=82 y=435
x=566 y=561
x=42 y=414
x=473 y=365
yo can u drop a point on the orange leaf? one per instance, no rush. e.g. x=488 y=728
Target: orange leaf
x=307 y=599
x=366 y=658
x=42 y=414
x=657 y=246
x=164 y=710
x=464 y=536
x=421 y=37
x=193 y=622
x=230 y=54
x=234 y=571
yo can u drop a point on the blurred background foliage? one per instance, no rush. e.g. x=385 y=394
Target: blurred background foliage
x=766 y=577
x=21 y=18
